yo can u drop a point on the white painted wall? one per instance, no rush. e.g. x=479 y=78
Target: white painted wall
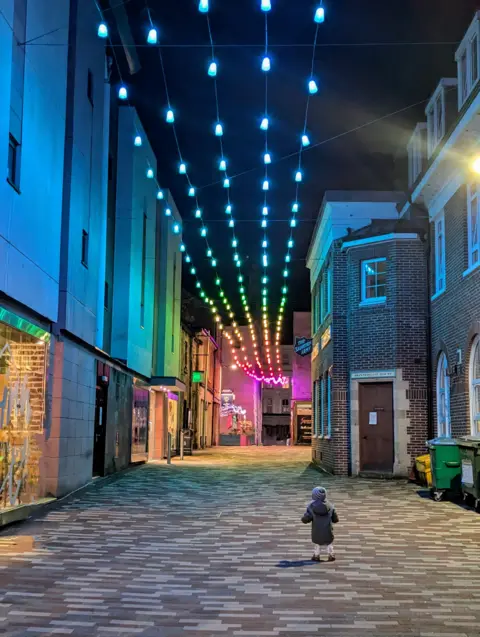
x=30 y=221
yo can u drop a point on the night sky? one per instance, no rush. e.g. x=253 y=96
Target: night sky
x=359 y=81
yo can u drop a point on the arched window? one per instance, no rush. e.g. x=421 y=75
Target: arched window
x=443 y=397
x=475 y=387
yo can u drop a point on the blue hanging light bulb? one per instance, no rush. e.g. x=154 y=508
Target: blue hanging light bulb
x=150 y=174
x=176 y=228
x=137 y=140
x=168 y=212
x=293 y=223
x=295 y=207
x=312 y=87
x=265 y=260
x=191 y=191
x=264 y=280
x=209 y=253
x=265 y=5
x=212 y=69
x=228 y=209
x=122 y=93
x=170 y=117
x=264 y=123
x=319 y=16
x=305 y=140
x=198 y=213
x=284 y=289
x=102 y=31
x=265 y=185
x=160 y=194
x=264 y=223
x=187 y=259
x=287 y=258
x=236 y=257
x=298 y=176
x=152 y=37
x=234 y=243
x=214 y=263
x=218 y=130
x=198 y=284
x=182 y=247
x=290 y=243
x=182 y=169
x=192 y=270
x=222 y=165
x=231 y=223
x=266 y=64
x=226 y=183
x=203 y=6
x=265 y=211
x=267 y=158
x=203 y=231
x=285 y=273
x=264 y=243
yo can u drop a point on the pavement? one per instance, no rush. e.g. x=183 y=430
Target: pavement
x=214 y=546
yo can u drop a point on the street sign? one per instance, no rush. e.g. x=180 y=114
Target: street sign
x=303 y=346
x=197 y=377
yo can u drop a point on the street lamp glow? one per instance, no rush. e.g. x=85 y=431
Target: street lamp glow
x=476 y=165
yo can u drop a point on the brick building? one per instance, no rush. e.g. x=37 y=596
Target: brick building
x=369 y=325
x=442 y=156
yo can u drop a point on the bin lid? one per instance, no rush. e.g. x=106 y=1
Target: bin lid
x=469 y=441
x=442 y=440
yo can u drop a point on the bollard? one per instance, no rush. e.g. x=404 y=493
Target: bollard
x=181 y=444
x=169 y=448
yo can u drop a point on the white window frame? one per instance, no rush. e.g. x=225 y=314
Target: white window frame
x=329 y=403
x=473 y=201
x=466 y=48
x=322 y=406
x=436 y=132
x=444 y=427
x=440 y=264
x=375 y=300
x=474 y=386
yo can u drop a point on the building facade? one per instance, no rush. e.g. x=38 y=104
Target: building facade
x=302 y=379
x=277 y=404
x=370 y=348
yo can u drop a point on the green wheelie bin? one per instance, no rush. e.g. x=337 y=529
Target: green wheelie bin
x=446 y=467
x=469 y=447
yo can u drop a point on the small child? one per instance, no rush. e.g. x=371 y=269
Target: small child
x=322 y=514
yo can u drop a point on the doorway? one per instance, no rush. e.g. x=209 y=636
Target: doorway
x=376 y=427
x=100 y=431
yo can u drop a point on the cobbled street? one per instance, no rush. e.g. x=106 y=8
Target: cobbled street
x=214 y=545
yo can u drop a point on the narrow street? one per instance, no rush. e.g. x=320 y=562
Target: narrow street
x=214 y=545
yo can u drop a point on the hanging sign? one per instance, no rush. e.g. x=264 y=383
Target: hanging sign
x=303 y=346
x=197 y=377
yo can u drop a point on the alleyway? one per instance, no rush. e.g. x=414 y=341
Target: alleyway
x=214 y=545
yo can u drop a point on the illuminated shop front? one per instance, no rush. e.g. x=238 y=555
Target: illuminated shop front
x=140 y=423
x=23 y=362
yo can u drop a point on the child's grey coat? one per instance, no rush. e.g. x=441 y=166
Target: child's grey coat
x=322 y=515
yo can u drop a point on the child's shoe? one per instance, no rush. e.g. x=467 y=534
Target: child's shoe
x=316 y=558
x=331 y=558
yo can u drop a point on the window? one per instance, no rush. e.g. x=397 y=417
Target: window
x=440 y=253
x=285 y=359
x=329 y=403
x=106 y=295
x=316 y=407
x=474 y=59
x=374 y=278
x=144 y=268
x=85 y=248
x=475 y=387
x=269 y=407
x=285 y=406
x=90 y=86
x=436 y=122
x=467 y=61
x=443 y=397
x=322 y=407
x=174 y=299
x=13 y=161
x=473 y=223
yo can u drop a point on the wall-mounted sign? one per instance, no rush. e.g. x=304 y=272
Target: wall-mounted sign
x=376 y=373
x=304 y=429
x=198 y=377
x=303 y=346
x=315 y=351
x=227 y=398
x=326 y=337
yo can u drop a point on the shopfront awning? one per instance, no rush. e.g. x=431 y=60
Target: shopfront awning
x=167 y=383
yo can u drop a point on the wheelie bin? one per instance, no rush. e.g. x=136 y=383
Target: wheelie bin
x=469 y=447
x=446 y=467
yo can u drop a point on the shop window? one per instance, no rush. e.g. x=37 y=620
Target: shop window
x=443 y=397
x=473 y=223
x=440 y=253
x=374 y=279
x=140 y=421
x=475 y=387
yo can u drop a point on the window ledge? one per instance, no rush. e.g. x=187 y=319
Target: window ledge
x=471 y=269
x=14 y=186
x=327 y=437
x=437 y=294
x=381 y=300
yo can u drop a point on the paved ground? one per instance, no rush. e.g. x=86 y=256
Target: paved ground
x=215 y=546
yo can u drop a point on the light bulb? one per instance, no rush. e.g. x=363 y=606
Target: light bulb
x=265 y=5
x=234 y=243
x=226 y=183
x=170 y=117
x=264 y=124
x=209 y=252
x=102 y=30
x=182 y=169
x=319 y=16
x=295 y=207
x=285 y=274
x=264 y=280
x=290 y=243
x=214 y=263
x=212 y=69
x=149 y=173
x=266 y=64
x=231 y=223
x=198 y=284
x=305 y=140
x=265 y=211
x=264 y=243
x=264 y=223
x=182 y=247
x=298 y=176
x=192 y=270
x=287 y=258
x=203 y=232
x=265 y=261
x=267 y=159
x=240 y=278
x=217 y=282
x=203 y=6
x=168 y=212
x=222 y=165
x=138 y=141
x=266 y=185
x=191 y=191
x=312 y=87
x=228 y=209
x=122 y=93
x=284 y=289
x=176 y=228
x=152 y=36
x=238 y=263
x=235 y=257
x=218 y=130
x=198 y=213
x=293 y=223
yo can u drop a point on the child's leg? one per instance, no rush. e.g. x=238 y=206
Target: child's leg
x=316 y=550
x=331 y=552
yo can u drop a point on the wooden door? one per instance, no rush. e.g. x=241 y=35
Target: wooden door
x=376 y=427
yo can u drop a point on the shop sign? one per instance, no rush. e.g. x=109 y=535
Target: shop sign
x=303 y=346
x=378 y=373
x=304 y=429
x=326 y=337
x=227 y=398
x=197 y=377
